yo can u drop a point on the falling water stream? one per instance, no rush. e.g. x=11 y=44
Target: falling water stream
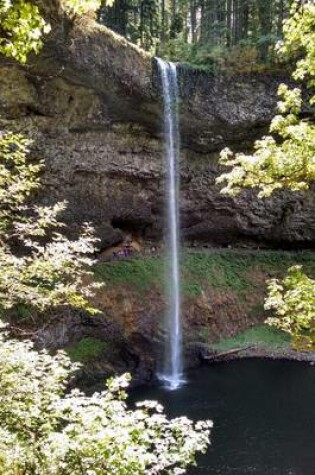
x=173 y=368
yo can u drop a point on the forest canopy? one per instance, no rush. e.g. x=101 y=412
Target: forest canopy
x=224 y=34
x=201 y=32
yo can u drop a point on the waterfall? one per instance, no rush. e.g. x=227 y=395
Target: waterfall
x=173 y=367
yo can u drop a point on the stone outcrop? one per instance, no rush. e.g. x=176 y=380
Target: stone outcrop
x=91 y=102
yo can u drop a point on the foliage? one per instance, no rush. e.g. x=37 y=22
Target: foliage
x=22 y=25
x=286 y=161
x=290 y=162
x=293 y=300
x=81 y=6
x=21 y=28
x=177 y=49
x=44 y=272
x=45 y=432
x=259 y=336
x=275 y=165
x=86 y=349
x=299 y=42
x=242 y=58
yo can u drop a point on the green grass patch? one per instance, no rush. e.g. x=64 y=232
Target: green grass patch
x=260 y=336
x=86 y=349
x=141 y=274
x=220 y=269
x=231 y=269
x=191 y=289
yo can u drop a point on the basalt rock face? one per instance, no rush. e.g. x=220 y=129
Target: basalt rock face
x=91 y=102
x=225 y=110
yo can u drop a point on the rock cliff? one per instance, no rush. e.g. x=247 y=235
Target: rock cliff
x=91 y=101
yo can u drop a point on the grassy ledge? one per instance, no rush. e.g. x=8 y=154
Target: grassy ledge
x=237 y=271
x=260 y=337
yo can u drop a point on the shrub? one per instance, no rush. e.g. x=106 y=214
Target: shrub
x=44 y=431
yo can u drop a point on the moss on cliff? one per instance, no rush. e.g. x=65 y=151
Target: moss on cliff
x=86 y=349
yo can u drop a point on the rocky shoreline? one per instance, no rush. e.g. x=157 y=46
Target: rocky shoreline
x=258 y=352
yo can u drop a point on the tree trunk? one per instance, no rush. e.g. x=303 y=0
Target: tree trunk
x=229 y=33
x=193 y=21
x=264 y=14
x=163 y=23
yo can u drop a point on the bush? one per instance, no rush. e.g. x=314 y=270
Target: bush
x=43 y=431
x=242 y=58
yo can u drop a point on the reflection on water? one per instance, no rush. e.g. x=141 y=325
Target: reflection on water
x=263 y=413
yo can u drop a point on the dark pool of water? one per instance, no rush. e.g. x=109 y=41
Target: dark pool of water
x=263 y=413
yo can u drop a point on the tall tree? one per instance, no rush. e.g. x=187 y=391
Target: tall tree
x=265 y=23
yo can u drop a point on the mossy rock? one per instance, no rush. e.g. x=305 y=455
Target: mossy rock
x=86 y=349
